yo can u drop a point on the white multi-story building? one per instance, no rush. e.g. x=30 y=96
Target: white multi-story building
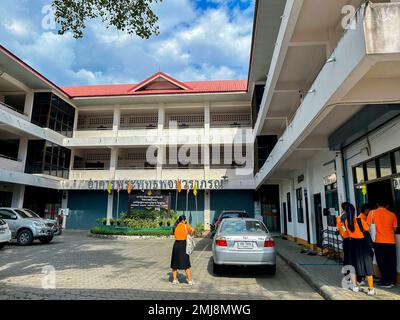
x=315 y=124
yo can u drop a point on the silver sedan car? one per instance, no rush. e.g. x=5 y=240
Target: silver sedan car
x=243 y=242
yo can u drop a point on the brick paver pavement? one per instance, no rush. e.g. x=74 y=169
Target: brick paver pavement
x=326 y=274
x=89 y=268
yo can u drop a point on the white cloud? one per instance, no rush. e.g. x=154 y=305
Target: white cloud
x=194 y=44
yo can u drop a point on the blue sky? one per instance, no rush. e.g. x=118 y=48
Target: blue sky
x=199 y=40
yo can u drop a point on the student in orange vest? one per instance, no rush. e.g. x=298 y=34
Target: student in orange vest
x=385 y=243
x=344 y=233
x=360 y=257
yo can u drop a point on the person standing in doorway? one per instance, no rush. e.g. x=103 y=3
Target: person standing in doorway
x=365 y=210
x=180 y=259
x=385 y=243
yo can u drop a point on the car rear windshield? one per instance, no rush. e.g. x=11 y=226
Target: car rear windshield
x=233 y=215
x=242 y=226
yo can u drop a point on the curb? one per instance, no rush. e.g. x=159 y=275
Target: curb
x=326 y=292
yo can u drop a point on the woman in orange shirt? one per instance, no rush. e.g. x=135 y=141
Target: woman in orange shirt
x=180 y=259
x=360 y=257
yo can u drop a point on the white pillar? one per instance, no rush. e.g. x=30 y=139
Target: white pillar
x=28 y=107
x=23 y=150
x=207 y=211
x=114 y=159
x=206 y=142
x=161 y=154
x=64 y=201
x=116 y=118
x=18 y=196
x=71 y=162
x=76 y=118
x=110 y=207
x=161 y=118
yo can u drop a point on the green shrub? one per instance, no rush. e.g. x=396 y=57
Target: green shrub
x=199 y=228
x=141 y=224
x=130 y=232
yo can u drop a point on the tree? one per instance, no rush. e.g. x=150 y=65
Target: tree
x=132 y=16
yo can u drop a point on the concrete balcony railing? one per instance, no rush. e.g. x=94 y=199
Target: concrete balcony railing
x=10 y=164
x=370 y=43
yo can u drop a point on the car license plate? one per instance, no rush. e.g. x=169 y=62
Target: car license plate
x=245 y=245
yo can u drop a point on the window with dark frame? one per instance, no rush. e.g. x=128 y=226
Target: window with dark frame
x=299 y=205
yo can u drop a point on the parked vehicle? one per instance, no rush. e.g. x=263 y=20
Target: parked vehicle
x=50 y=223
x=227 y=214
x=243 y=242
x=5 y=233
x=24 y=228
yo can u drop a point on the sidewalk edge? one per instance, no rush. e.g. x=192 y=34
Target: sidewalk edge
x=316 y=284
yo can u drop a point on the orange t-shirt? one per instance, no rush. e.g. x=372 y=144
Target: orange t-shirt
x=357 y=234
x=180 y=231
x=385 y=223
x=339 y=225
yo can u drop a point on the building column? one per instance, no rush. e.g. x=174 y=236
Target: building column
x=18 y=196
x=206 y=142
x=72 y=160
x=64 y=201
x=207 y=211
x=161 y=118
x=76 y=117
x=113 y=159
x=110 y=204
x=116 y=118
x=28 y=107
x=160 y=160
x=23 y=150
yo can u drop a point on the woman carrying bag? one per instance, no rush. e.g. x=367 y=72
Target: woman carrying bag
x=360 y=249
x=180 y=258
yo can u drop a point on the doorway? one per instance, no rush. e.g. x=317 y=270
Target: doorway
x=381 y=192
x=319 y=227
x=270 y=207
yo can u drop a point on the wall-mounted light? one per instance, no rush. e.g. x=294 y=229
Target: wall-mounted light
x=330 y=60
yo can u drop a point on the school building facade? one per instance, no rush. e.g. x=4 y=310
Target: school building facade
x=316 y=123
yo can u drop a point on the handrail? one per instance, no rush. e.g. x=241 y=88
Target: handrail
x=10 y=158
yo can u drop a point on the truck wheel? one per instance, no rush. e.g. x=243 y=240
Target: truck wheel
x=25 y=237
x=46 y=240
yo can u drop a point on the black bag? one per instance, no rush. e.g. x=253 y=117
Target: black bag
x=367 y=235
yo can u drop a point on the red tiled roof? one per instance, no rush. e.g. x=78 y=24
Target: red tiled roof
x=219 y=86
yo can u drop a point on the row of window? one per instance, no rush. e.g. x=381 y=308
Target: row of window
x=380 y=167
x=50 y=111
x=47 y=158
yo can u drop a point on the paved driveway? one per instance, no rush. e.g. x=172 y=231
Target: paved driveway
x=89 y=268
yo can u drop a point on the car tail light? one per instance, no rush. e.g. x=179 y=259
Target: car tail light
x=269 y=243
x=221 y=242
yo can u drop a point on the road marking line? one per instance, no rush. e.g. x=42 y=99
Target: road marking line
x=200 y=254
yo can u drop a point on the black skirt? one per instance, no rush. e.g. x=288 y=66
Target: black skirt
x=360 y=257
x=180 y=260
x=346 y=253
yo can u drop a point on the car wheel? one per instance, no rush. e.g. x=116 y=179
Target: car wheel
x=2 y=245
x=271 y=270
x=217 y=269
x=46 y=240
x=25 y=238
